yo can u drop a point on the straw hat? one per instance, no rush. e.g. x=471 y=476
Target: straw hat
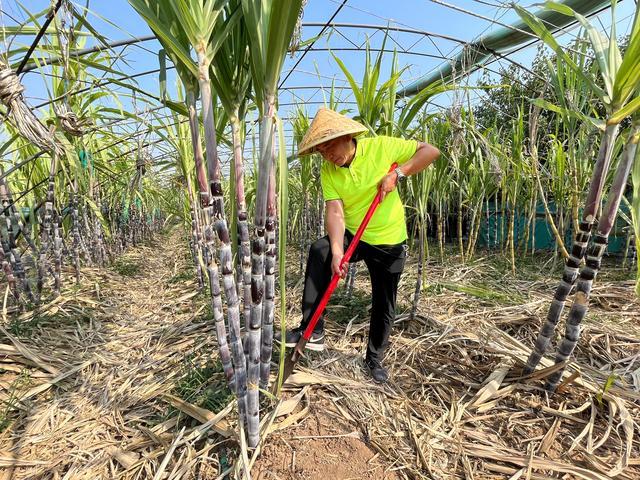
x=326 y=126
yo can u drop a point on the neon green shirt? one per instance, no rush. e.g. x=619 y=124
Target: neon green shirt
x=357 y=186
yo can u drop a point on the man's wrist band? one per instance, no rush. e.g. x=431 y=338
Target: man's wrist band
x=401 y=176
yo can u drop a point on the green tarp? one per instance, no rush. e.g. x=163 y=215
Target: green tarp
x=501 y=42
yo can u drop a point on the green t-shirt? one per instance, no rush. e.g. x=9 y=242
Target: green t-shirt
x=357 y=186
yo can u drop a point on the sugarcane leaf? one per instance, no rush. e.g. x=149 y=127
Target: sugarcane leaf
x=568 y=112
x=629 y=109
x=220 y=33
x=163 y=31
x=601 y=46
x=283 y=18
x=615 y=57
x=538 y=28
x=175 y=106
x=28 y=30
x=628 y=75
x=82 y=22
x=357 y=92
x=96 y=211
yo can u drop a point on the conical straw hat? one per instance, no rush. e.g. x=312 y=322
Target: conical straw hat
x=326 y=126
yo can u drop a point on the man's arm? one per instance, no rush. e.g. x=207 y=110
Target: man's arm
x=335 y=228
x=425 y=155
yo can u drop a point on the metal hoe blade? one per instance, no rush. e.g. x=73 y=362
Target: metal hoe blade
x=291 y=360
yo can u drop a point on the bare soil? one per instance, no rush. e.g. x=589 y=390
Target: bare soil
x=320 y=447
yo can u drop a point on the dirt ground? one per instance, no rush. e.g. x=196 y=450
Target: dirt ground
x=119 y=379
x=321 y=446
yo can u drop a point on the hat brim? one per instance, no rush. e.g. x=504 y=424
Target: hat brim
x=311 y=148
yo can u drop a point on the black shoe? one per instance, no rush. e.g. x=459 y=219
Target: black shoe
x=377 y=371
x=315 y=343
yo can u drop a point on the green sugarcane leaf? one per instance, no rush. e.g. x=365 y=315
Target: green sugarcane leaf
x=221 y=33
x=175 y=106
x=82 y=22
x=625 y=218
x=163 y=32
x=96 y=211
x=8 y=31
x=628 y=75
x=615 y=57
x=8 y=143
x=538 y=28
x=283 y=17
x=256 y=29
x=568 y=112
x=629 y=109
x=600 y=45
x=357 y=92
x=308 y=41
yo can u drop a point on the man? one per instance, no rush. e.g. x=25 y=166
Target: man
x=353 y=171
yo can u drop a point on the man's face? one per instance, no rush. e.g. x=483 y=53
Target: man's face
x=337 y=151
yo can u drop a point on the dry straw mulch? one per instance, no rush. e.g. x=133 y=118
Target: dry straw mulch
x=457 y=406
x=90 y=382
x=90 y=376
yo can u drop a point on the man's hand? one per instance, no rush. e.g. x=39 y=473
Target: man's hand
x=387 y=184
x=335 y=265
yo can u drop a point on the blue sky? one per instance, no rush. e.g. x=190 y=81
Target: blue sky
x=117 y=20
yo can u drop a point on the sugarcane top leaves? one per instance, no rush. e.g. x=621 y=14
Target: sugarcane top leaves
x=620 y=75
x=182 y=24
x=270 y=26
x=231 y=71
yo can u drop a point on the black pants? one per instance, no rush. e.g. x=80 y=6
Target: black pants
x=385 y=264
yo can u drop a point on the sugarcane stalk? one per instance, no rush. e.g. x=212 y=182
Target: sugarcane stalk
x=320 y=210
x=239 y=382
x=46 y=231
x=303 y=229
x=201 y=175
x=10 y=226
x=590 y=270
x=101 y=246
x=511 y=243
x=496 y=229
x=195 y=228
x=418 y=288
x=474 y=228
x=459 y=223
x=212 y=268
x=11 y=279
x=244 y=250
x=440 y=230
x=267 y=131
x=269 y=281
x=194 y=129
x=351 y=278
x=578 y=248
x=218 y=315
x=503 y=214
x=57 y=254
x=88 y=234
x=75 y=232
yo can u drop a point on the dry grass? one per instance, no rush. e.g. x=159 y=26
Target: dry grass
x=457 y=406
x=92 y=383
x=102 y=362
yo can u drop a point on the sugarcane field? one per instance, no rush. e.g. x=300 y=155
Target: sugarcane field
x=319 y=239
